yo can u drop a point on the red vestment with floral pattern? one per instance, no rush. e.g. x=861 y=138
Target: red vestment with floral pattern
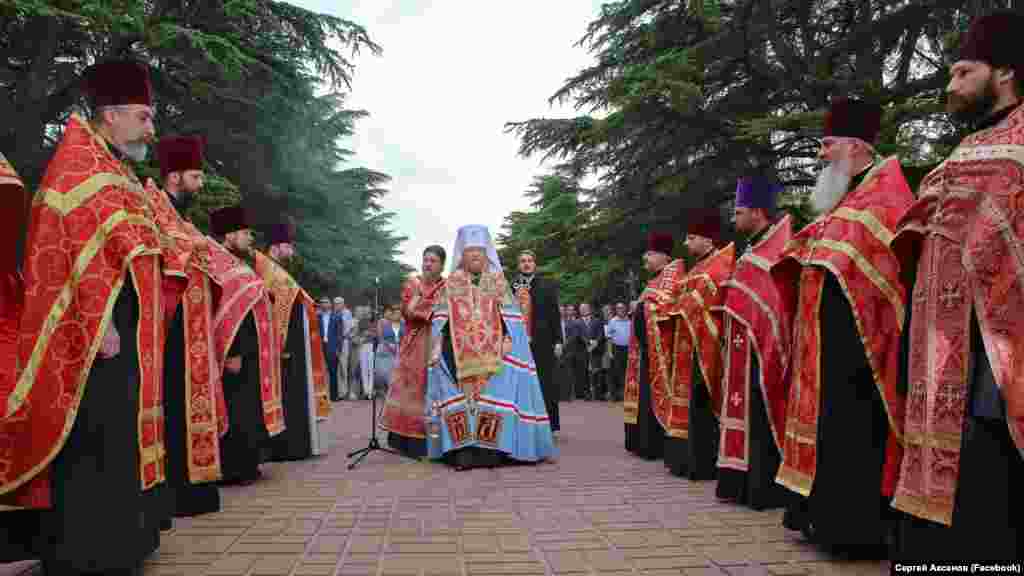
x=91 y=230
x=757 y=324
x=964 y=235
x=284 y=291
x=186 y=281
x=698 y=306
x=404 y=409
x=851 y=242
x=237 y=291
x=659 y=299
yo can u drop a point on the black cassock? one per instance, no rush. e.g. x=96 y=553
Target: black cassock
x=243 y=448
x=545 y=332
x=846 y=507
x=695 y=457
x=646 y=438
x=101 y=521
x=184 y=498
x=296 y=441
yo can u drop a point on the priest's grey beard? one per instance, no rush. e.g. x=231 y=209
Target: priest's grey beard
x=135 y=150
x=833 y=183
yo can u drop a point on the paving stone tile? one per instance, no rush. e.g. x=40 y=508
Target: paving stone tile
x=305 y=569
x=230 y=566
x=274 y=566
x=598 y=511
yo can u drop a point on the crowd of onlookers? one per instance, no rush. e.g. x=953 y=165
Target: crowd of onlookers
x=595 y=348
x=591 y=363
x=348 y=337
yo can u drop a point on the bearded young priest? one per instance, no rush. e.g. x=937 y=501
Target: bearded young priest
x=245 y=344
x=755 y=353
x=194 y=412
x=845 y=413
x=963 y=469
x=651 y=351
x=303 y=368
x=692 y=433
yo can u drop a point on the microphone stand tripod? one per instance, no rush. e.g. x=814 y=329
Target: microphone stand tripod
x=374 y=445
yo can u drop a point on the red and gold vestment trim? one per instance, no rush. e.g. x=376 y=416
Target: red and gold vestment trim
x=702 y=291
x=663 y=330
x=284 y=290
x=404 y=408
x=318 y=362
x=757 y=324
x=963 y=234
x=240 y=291
x=475 y=323
x=526 y=306
x=90 y=225
x=184 y=252
x=852 y=243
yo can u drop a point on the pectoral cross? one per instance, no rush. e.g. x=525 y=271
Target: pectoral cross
x=950 y=296
x=736 y=399
x=737 y=341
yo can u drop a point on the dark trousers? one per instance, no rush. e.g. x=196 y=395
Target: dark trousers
x=598 y=381
x=332 y=370
x=620 y=358
x=580 y=371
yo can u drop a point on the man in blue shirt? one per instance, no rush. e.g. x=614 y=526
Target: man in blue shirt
x=620 y=329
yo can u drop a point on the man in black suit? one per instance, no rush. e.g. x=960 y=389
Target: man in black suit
x=593 y=341
x=566 y=361
x=329 y=343
x=538 y=298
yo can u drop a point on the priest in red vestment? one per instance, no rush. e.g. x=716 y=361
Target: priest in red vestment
x=647 y=397
x=81 y=430
x=844 y=414
x=691 y=437
x=756 y=352
x=405 y=409
x=194 y=410
x=303 y=368
x=960 y=244
x=245 y=348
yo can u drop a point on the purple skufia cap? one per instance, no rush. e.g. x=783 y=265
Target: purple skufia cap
x=756 y=192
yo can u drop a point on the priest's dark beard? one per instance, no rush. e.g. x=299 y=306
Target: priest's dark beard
x=971 y=112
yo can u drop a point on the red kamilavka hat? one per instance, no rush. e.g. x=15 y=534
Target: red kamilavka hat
x=118 y=83
x=707 y=223
x=227 y=220
x=180 y=153
x=851 y=118
x=993 y=39
x=660 y=242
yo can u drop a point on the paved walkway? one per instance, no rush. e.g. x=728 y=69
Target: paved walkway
x=596 y=511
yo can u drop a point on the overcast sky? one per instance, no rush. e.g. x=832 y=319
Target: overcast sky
x=451 y=74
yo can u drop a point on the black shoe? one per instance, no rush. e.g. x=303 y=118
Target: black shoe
x=166 y=524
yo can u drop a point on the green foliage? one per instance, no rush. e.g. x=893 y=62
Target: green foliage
x=684 y=97
x=247 y=75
